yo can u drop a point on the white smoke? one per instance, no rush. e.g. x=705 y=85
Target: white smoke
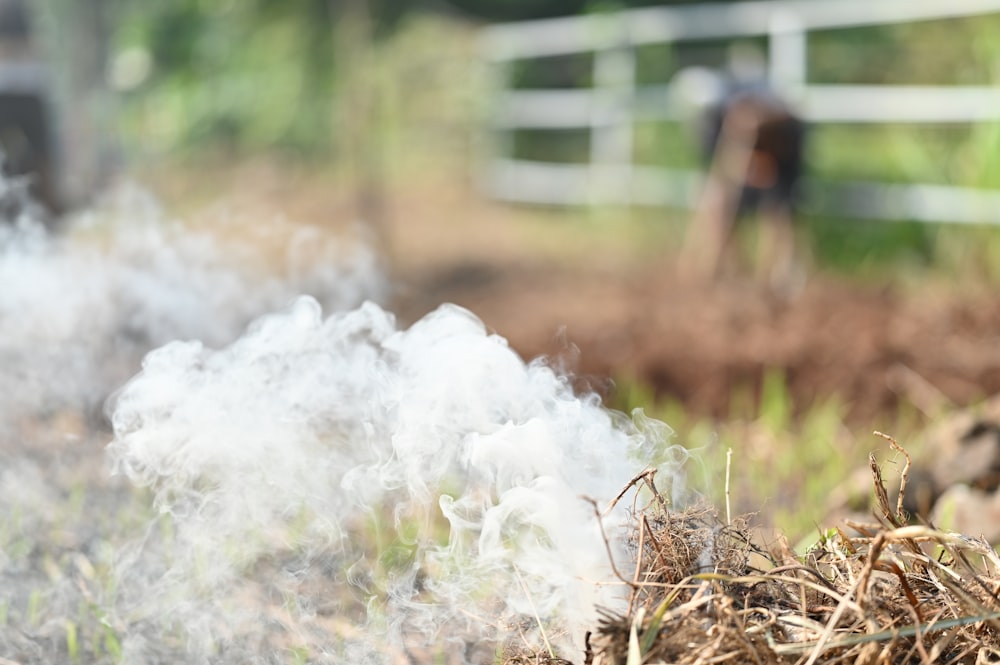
x=330 y=488
x=423 y=485
x=79 y=309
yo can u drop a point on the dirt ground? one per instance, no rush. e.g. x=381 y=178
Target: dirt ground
x=609 y=306
x=874 y=348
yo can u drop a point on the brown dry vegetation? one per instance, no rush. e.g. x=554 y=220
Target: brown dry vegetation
x=702 y=591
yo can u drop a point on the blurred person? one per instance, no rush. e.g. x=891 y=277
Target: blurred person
x=753 y=146
x=26 y=140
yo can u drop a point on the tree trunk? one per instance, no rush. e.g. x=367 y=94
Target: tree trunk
x=76 y=36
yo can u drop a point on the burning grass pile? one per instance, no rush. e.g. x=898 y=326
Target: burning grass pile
x=702 y=590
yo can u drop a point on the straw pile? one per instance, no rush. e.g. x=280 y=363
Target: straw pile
x=703 y=592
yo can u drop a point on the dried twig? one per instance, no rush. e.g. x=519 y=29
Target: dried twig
x=903 y=475
x=729 y=462
x=534 y=610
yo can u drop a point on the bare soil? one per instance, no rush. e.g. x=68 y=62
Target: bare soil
x=874 y=348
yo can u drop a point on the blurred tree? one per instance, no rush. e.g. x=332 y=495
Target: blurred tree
x=252 y=73
x=77 y=39
x=263 y=74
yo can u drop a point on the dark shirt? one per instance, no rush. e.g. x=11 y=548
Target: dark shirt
x=776 y=163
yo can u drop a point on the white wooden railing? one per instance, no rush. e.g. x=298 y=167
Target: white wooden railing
x=610 y=108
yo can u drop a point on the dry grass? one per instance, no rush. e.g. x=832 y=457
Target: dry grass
x=703 y=591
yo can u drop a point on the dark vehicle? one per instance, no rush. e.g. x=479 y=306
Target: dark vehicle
x=26 y=136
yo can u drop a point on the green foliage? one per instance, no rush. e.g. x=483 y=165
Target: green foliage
x=567 y=146
x=34 y=611
x=654 y=64
x=775 y=402
x=300 y=655
x=942 y=52
x=788 y=459
x=970 y=255
x=667 y=144
x=106 y=639
x=250 y=85
x=870 y=248
x=72 y=642
x=251 y=74
x=574 y=70
x=890 y=153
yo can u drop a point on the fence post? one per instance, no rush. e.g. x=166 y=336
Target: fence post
x=611 y=113
x=499 y=139
x=787 y=58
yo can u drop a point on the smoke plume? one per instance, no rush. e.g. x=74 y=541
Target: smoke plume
x=422 y=485
x=78 y=310
x=296 y=477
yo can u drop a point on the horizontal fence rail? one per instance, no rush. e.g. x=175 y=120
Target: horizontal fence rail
x=577 y=34
x=574 y=109
x=615 y=103
x=546 y=183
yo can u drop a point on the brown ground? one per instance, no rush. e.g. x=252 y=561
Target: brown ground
x=555 y=284
x=872 y=347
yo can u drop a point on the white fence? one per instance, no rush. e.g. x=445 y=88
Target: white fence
x=611 y=107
